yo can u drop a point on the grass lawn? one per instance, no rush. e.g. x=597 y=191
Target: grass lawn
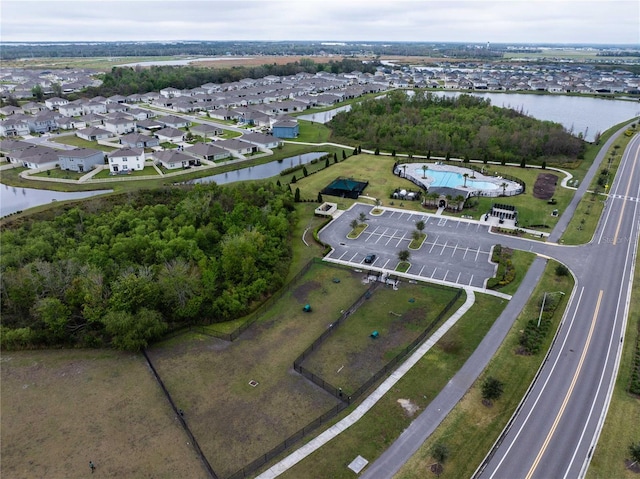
x=521 y=261
x=233 y=422
x=312 y=132
x=471 y=428
x=81 y=143
x=146 y=171
x=621 y=425
x=375 y=432
x=64 y=408
x=585 y=220
x=58 y=173
x=350 y=356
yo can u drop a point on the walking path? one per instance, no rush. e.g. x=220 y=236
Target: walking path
x=370 y=401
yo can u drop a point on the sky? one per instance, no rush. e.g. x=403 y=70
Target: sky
x=478 y=21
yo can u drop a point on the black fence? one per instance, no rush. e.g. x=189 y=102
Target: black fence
x=180 y=415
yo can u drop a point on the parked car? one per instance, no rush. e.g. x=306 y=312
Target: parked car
x=370 y=258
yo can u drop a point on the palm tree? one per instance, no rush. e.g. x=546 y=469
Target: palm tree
x=354 y=224
x=420 y=226
x=504 y=188
x=459 y=200
x=403 y=255
x=424 y=171
x=466 y=175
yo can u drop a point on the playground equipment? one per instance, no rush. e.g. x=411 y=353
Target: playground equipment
x=307 y=308
x=375 y=334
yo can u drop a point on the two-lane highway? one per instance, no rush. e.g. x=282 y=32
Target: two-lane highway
x=556 y=428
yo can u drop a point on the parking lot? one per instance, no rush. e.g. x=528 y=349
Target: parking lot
x=456 y=251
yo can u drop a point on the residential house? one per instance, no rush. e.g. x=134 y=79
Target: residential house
x=95 y=107
x=44 y=121
x=125 y=160
x=54 y=103
x=120 y=126
x=71 y=123
x=80 y=159
x=174 y=121
x=73 y=108
x=170 y=92
x=9 y=146
x=10 y=110
x=172 y=135
x=237 y=147
x=136 y=140
x=172 y=159
x=30 y=155
x=11 y=127
x=286 y=129
x=206 y=131
x=261 y=141
x=150 y=125
x=207 y=151
x=138 y=114
x=93 y=134
x=45 y=160
x=32 y=107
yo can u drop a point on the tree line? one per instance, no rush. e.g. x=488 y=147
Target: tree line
x=122 y=271
x=464 y=126
x=129 y=80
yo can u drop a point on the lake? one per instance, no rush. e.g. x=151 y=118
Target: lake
x=261 y=172
x=13 y=198
x=578 y=114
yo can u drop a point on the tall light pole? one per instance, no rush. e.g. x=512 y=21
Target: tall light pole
x=544 y=298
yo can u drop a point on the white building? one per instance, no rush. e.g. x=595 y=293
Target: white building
x=125 y=160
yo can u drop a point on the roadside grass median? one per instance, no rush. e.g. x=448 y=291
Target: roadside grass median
x=471 y=429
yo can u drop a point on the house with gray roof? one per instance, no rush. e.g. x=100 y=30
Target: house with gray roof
x=170 y=134
x=137 y=140
x=125 y=160
x=261 y=141
x=207 y=151
x=80 y=159
x=174 y=121
x=206 y=130
x=93 y=134
x=172 y=159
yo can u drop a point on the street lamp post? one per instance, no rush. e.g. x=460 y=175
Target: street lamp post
x=544 y=299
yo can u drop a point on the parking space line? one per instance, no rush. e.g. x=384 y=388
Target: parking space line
x=443 y=247
x=391 y=237
x=455 y=248
x=420 y=273
x=434 y=272
x=386 y=263
x=465 y=253
x=342 y=255
x=458 y=278
x=400 y=241
x=351 y=260
x=382 y=234
x=471 y=280
x=442 y=222
x=433 y=245
x=477 y=253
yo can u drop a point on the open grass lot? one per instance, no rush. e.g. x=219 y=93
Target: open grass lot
x=312 y=132
x=350 y=357
x=233 y=422
x=58 y=173
x=376 y=431
x=471 y=428
x=621 y=425
x=62 y=409
x=81 y=143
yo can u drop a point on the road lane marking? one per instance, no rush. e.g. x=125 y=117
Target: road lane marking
x=624 y=203
x=543 y=387
x=545 y=444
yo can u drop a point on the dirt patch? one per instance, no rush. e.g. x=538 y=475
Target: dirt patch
x=301 y=293
x=632 y=466
x=545 y=186
x=409 y=408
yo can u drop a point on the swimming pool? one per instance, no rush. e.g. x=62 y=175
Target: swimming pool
x=452 y=179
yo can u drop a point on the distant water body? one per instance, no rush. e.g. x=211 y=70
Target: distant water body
x=185 y=61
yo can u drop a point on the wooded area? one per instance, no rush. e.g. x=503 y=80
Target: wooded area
x=463 y=127
x=126 y=269
x=128 y=80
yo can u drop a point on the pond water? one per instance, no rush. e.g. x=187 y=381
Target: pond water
x=261 y=172
x=13 y=199
x=452 y=179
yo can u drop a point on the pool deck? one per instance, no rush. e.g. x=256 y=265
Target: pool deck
x=511 y=189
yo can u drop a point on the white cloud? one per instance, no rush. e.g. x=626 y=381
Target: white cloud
x=515 y=21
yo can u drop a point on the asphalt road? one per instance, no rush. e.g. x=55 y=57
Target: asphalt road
x=555 y=430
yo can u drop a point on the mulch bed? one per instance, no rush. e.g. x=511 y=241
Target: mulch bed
x=545 y=186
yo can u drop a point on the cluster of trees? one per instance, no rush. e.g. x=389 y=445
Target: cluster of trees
x=147 y=262
x=129 y=49
x=129 y=80
x=464 y=126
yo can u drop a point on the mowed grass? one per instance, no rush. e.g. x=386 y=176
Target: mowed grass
x=81 y=143
x=62 y=409
x=375 y=432
x=350 y=357
x=471 y=428
x=621 y=425
x=208 y=378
